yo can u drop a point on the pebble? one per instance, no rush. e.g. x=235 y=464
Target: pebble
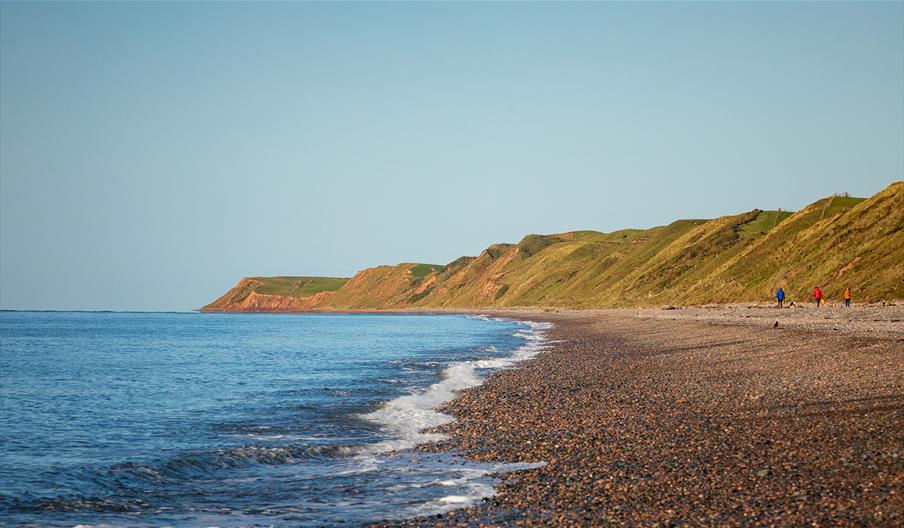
x=650 y=421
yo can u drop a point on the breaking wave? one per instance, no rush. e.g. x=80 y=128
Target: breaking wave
x=278 y=435
x=406 y=417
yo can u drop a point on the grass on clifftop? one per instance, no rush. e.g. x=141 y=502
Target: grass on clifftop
x=835 y=242
x=763 y=223
x=419 y=271
x=298 y=286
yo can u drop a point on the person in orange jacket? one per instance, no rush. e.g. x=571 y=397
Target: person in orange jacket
x=817 y=293
x=847 y=297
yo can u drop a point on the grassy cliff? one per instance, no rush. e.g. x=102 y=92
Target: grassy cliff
x=834 y=243
x=276 y=294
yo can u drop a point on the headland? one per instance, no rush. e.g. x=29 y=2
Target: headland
x=835 y=243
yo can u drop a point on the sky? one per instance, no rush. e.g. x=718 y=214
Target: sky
x=152 y=154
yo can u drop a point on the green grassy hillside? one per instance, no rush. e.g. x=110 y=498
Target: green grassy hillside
x=291 y=287
x=420 y=271
x=298 y=286
x=834 y=243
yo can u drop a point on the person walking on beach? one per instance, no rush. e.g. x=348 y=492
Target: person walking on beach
x=780 y=296
x=817 y=294
x=847 y=297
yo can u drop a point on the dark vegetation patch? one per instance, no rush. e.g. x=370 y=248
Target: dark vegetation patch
x=533 y=244
x=419 y=271
x=298 y=286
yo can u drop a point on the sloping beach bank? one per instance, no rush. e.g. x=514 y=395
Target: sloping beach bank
x=695 y=417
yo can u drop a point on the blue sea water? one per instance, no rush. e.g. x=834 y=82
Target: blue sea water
x=187 y=419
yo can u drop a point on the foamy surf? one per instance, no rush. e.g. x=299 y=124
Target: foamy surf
x=406 y=417
x=472 y=486
x=281 y=440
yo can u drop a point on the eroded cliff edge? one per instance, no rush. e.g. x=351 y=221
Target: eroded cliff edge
x=836 y=242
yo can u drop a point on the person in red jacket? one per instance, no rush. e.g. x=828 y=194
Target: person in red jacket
x=817 y=293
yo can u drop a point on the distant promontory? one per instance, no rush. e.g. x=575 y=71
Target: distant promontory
x=836 y=242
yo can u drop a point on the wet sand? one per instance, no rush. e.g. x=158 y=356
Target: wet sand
x=709 y=416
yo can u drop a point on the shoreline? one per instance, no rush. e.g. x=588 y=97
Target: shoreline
x=705 y=416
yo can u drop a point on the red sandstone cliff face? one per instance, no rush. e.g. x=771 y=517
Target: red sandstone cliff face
x=836 y=242
x=379 y=287
x=231 y=299
x=244 y=298
x=258 y=302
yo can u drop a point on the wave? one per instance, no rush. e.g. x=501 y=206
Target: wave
x=406 y=417
x=470 y=487
x=210 y=461
x=132 y=482
x=135 y=487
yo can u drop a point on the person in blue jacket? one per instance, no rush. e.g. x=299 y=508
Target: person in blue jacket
x=780 y=296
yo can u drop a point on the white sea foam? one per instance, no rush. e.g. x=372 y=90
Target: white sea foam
x=364 y=464
x=283 y=437
x=472 y=487
x=456 y=499
x=405 y=417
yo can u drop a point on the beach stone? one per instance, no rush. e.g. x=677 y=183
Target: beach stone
x=694 y=418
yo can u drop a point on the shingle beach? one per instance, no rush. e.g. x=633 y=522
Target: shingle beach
x=746 y=416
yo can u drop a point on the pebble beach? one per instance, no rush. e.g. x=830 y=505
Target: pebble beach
x=715 y=416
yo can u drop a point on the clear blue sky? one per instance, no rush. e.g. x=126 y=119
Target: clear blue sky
x=153 y=154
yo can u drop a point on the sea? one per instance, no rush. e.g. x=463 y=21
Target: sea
x=199 y=419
